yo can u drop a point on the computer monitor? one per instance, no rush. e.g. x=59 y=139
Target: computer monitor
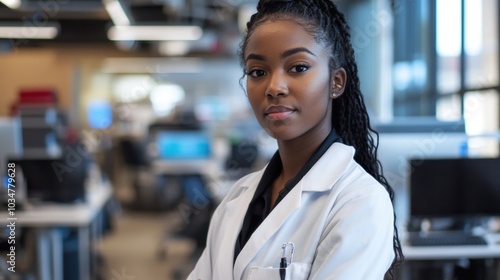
x=183 y=145
x=482 y=186
x=455 y=187
x=52 y=179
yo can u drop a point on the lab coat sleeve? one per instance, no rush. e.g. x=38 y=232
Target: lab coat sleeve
x=357 y=243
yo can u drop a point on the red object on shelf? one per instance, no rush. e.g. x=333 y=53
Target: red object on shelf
x=37 y=97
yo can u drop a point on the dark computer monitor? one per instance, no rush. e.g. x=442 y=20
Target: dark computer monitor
x=183 y=145
x=482 y=186
x=458 y=187
x=52 y=179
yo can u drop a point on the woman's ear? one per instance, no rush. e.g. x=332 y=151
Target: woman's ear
x=338 y=82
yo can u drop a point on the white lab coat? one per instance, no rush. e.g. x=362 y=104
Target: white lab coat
x=339 y=218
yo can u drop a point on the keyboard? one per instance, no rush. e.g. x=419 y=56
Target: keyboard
x=445 y=239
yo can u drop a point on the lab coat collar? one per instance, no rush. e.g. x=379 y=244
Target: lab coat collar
x=328 y=169
x=322 y=176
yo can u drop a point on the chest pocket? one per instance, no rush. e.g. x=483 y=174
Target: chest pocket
x=295 y=271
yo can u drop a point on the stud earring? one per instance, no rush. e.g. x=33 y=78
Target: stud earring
x=335 y=91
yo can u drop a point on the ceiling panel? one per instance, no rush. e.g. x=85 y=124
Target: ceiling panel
x=86 y=21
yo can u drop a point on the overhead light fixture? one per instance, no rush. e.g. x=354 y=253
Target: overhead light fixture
x=117 y=13
x=13 y=4
x=155 y=33
x=156 y=65
x=23 y=31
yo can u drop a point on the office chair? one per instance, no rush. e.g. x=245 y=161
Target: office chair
x=151 y=191
x=197 y=204
x=134 y=152
x=196 y=210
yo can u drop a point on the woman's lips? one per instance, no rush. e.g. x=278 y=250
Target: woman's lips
x=278 y=112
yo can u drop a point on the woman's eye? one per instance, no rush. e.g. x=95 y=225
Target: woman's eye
x=256 y=73
x=299 y=68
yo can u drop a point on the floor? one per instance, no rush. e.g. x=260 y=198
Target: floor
x=132 y=250
x=136 y=246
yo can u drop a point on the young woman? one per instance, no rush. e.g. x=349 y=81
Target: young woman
x=323 y=192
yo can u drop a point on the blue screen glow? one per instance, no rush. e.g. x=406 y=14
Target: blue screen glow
x=183 y=145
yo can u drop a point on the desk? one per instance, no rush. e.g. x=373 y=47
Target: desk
x=217 y=180
x=422 y=253
x=47 y=218
x=492 y=250
x=187 y=166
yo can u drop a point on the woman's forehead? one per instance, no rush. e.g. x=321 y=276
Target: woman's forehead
x=279 y=34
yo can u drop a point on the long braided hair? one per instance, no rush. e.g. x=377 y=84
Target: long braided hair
x=328 y=26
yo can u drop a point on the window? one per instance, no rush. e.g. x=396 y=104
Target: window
x=446 y=61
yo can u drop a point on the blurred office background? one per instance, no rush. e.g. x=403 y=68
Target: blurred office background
x=144 y=99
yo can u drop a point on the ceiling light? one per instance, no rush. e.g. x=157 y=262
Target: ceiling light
x=157 y=65
x=116 y=12
x=13 y=4
x=28 y=32
x=154 y=33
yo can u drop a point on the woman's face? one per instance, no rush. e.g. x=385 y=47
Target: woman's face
x=288 y=80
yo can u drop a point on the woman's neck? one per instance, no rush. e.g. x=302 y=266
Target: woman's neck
x=295 y=153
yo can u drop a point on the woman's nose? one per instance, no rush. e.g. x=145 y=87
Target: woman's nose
x=277 y=86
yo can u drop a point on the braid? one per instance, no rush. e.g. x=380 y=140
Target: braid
x=357 y=131
x=350 y=118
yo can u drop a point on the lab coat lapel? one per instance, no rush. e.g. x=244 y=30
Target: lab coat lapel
x=235 y=211
x=266 y=230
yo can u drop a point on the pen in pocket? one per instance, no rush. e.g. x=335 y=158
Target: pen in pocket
x=283 y=261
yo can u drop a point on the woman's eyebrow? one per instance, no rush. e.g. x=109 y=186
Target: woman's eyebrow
x=294 y=51
x=285 y=54
x=255 y=56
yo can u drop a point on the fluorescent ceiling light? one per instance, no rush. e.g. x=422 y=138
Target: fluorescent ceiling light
x=157 y=65
x=13 y=4
x=28 y=32
x=116 y=12
x=154 y=33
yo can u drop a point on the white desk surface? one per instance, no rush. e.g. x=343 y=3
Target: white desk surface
x=58 y=214
x=492 y=250
x=188 y=166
